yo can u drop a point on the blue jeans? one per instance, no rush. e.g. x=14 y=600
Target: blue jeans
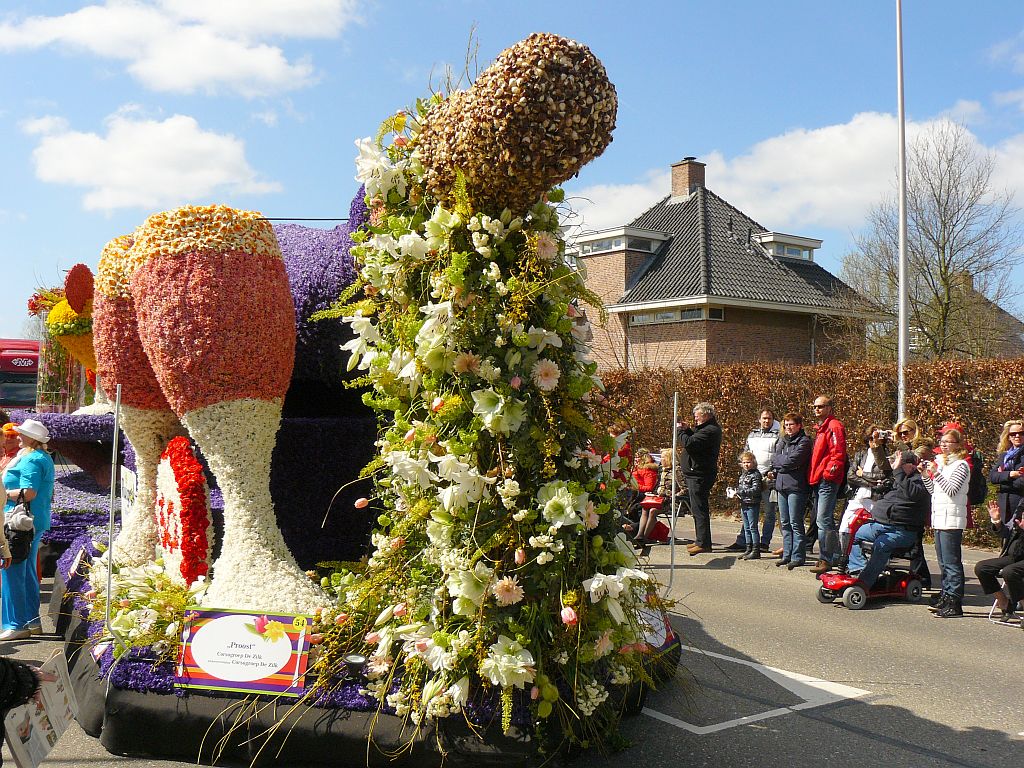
x=19 y=591
x=791 y=513
x=947 y=550
x=771 y=510
x=886 y=538
x=750 y=515
x=828 y=538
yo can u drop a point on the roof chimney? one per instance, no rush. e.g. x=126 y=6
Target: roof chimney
x=687 y=175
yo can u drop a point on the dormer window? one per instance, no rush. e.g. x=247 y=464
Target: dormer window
x=783 y=246
x=623 y=238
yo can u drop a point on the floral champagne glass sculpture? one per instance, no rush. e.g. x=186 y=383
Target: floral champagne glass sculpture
x=216 y=320
x=146 y=416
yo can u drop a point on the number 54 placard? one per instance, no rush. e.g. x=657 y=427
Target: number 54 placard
x=228 y=650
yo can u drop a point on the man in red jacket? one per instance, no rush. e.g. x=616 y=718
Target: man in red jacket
x=828 y=466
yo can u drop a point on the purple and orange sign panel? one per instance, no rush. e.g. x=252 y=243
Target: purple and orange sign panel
x=243 y=651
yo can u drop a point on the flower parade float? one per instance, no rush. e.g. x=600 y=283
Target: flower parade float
x=501 y=616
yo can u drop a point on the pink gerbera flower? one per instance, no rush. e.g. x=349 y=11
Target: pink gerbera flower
x=507 y=591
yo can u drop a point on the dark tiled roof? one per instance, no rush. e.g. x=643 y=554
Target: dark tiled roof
x=712 y=251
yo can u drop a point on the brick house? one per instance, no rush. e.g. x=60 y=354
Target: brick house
x=693 y=281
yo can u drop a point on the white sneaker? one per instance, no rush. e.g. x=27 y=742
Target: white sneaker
x=15 y=634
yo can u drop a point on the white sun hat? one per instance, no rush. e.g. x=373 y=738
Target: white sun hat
x=33 y=429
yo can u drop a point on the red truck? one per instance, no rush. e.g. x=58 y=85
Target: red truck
x=19 y=366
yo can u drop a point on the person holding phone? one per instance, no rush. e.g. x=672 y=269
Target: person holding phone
x=946 y=478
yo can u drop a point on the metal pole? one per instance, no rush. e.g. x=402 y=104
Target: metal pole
x=110 y=516
x=672 y=503
x=903 y=343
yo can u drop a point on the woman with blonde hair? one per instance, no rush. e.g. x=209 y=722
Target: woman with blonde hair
x=905 y=432
x=1008 y=472
x=947 y=479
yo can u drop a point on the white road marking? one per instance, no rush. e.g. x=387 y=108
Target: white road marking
x=814 y=692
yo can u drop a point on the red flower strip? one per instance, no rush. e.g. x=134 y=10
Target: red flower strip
x=194 y=519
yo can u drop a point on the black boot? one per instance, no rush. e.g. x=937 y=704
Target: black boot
x=754 y=554
x=951 y=609
x=937 y=600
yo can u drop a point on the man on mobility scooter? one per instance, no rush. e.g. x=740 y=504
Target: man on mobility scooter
x=895 y=525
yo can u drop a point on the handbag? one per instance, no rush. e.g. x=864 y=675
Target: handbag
x=18 y=538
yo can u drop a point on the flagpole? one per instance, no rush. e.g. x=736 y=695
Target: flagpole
x=903 y=342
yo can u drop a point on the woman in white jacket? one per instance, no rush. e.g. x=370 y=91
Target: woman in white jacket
x=947 y=479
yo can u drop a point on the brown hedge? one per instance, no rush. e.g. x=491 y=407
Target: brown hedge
x=980 y=394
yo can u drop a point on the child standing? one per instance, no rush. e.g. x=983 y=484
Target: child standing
x=748 y=489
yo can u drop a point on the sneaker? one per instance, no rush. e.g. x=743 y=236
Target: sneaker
x=936 y=601
x=15 y=634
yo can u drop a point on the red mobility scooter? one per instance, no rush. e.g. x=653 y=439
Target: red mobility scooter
x=892 y=582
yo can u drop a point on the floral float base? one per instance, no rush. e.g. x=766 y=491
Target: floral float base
x=183 y=519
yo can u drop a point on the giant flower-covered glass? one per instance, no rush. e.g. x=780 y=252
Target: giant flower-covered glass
x=497 y=566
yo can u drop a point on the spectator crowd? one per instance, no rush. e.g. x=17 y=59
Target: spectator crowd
x=860 y=510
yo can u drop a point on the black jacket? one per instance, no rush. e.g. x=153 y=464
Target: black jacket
x=703 y=443
x=748 y=488
x=791 y=460
x=1011 y=492
x=878 y=479
x=1013 y=535
x=908 y=504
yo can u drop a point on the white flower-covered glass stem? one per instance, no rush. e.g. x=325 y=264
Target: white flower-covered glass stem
x=148 y=431
x=255 y=570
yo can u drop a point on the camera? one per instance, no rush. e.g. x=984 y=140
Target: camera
x=886 y=435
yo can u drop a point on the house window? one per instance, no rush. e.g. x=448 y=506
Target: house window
x=639 y=244
x=597 y=246
x=676 y=315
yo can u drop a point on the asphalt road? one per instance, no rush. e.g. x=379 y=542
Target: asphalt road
x=772 y=677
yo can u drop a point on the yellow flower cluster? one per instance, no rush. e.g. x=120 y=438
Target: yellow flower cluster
x=112 y=272
x=195 y=229
x=63 y=314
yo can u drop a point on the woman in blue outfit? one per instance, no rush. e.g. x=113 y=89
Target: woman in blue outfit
x=30 y=472
x=790 y=462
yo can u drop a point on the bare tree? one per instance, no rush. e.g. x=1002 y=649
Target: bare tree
x=963 y=240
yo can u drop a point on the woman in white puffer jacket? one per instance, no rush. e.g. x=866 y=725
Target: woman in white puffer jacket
x=947 y=479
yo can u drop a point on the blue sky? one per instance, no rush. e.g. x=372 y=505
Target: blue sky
x=112 y=110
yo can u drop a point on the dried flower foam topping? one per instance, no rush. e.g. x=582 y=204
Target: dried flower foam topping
x=112 y=272
x=198 y=229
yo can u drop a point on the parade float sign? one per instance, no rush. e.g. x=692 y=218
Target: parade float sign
x=226 y=650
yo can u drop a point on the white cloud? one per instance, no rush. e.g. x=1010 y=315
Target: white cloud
x=268 y=117
x=143 y=163
x=1015 y=98
x=1011 y=50
x=800 y=182
x=184 y=46
x=966 y=111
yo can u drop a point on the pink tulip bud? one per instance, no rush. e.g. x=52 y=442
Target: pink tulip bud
x=125 y=603
x=401 y=610
x=534 y=693
x=372 y=637
x=316 y=639
x=516 y=382
x=437 y=405
x=422 y=646
x=569 y=617
x=341 y=619
x=401 y=141
x=410 y=435
x=572 y=311
x=361 y=503
x=520 y=556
